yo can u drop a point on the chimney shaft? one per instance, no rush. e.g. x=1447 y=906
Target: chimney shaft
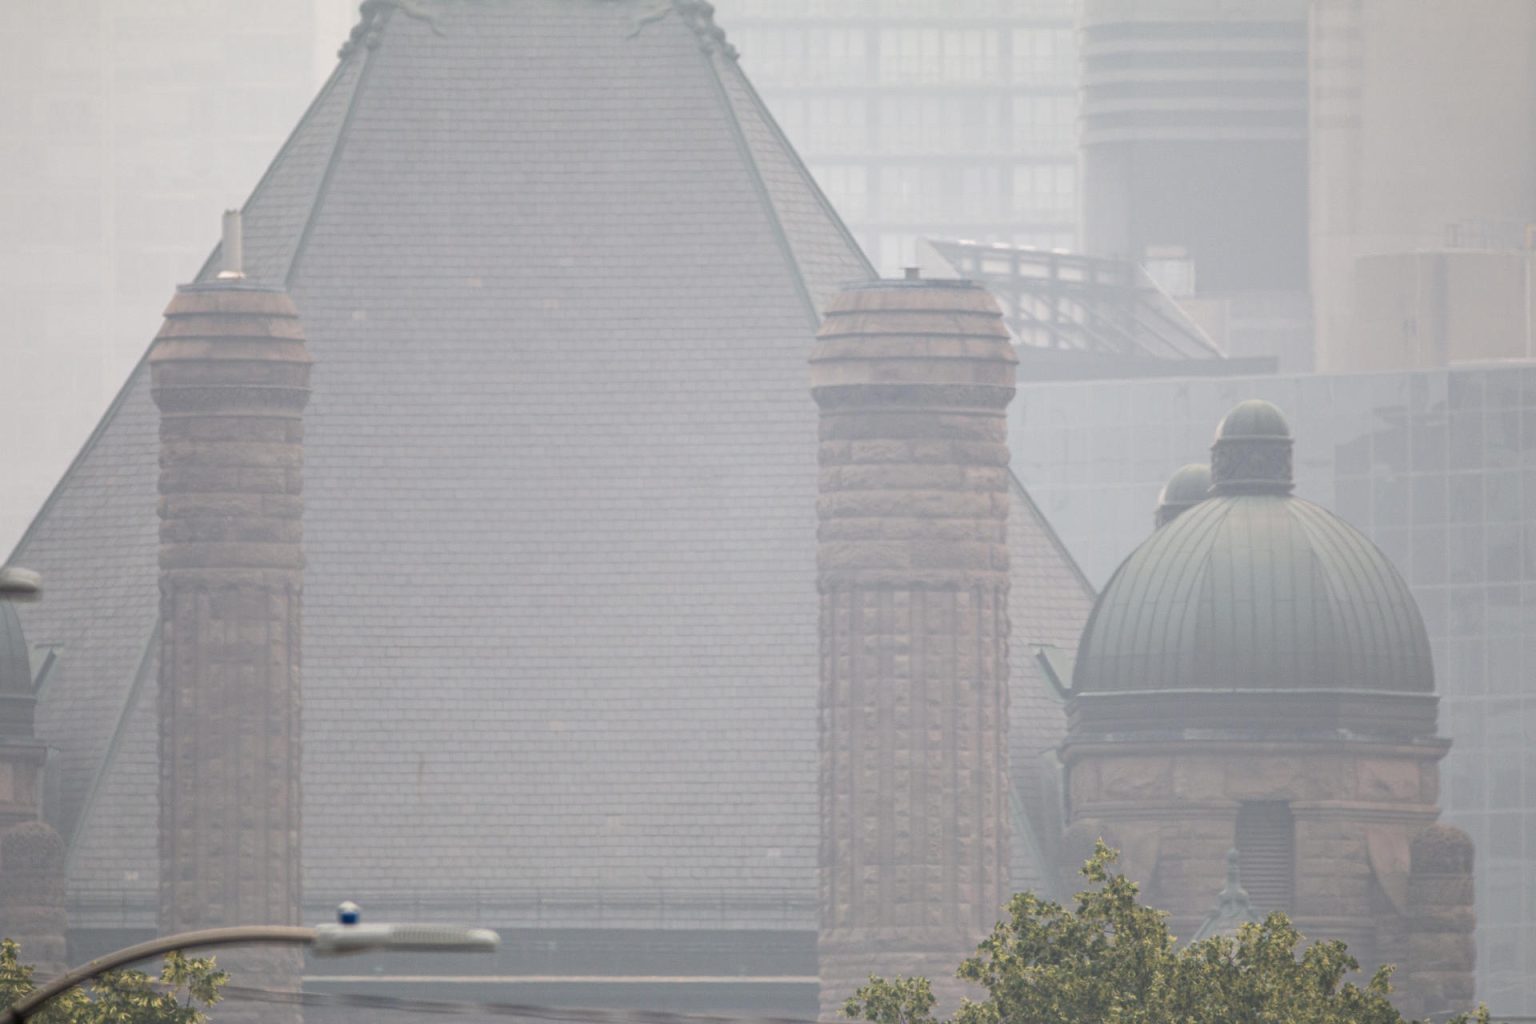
x=231 y=377
x=913 y=379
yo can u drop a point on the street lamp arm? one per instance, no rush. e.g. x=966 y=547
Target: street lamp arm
x=242 y=935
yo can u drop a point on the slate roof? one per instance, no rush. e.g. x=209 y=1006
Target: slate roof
x=559 y=271
x=1049 y=603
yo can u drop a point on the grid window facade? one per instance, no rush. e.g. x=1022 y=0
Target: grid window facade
x=962 y=114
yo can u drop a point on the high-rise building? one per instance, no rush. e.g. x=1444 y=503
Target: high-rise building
x=1423 y=181
x=129 y=124
x=925 y=118
x=1194 y=146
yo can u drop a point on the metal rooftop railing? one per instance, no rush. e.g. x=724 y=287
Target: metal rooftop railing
x=1071 y=302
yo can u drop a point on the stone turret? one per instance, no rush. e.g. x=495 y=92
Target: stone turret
x=231 y=378
x=913 y=379
x=1257 y=675
x=31 y=852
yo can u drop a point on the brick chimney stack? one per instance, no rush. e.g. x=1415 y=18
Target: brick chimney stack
x=913 y=379
x=231 y=377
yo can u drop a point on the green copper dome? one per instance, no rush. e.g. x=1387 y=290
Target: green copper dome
x=1263 y=597
x=1254 y=418
x=1188 y=487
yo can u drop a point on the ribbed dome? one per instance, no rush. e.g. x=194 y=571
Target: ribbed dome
x=1287 y=610
x=1255 y=592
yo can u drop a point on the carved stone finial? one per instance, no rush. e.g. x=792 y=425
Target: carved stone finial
x=698 y=15
x=1233 y=909
x=369 y=29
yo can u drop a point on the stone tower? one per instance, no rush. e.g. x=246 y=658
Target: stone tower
x=231 y=377
x=912 y=379
x=31 y=852
x=1257 y=675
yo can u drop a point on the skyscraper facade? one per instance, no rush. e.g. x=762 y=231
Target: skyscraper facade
x=925 y=118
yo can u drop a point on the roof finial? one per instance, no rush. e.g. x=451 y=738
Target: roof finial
x=699 y=15
x=1232 y=907
x=232 y=248
x=370 y=26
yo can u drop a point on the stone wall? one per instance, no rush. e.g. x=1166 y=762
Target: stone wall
x=1172 y=809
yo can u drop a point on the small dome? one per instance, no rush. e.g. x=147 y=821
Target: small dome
x=1254 y=418
x=1252 y=451
x=1297 y=619
x=1188 y=487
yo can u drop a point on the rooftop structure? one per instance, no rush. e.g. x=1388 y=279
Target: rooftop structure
x=1077 y=316
x=1256 y=677
x=1253 y=589
x=560 y=275
x=1428 y=466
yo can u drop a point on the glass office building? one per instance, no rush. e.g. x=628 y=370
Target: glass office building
x=1438 y=467
x=925 y=118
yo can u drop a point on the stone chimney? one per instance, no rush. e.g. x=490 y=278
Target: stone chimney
x=231 y=378
x=913 y=379
x=31 y=852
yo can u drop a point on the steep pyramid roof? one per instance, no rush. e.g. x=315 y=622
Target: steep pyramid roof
x=559 y=271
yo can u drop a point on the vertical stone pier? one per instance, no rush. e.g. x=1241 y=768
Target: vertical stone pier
x=231 y=377
x=913 y=379
x=1438 y=978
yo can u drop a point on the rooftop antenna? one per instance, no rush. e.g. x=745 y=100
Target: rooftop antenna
x=232 y=249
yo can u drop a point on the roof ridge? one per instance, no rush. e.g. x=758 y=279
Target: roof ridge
x=807 y=178
x=85 y=449
x=76 y=827
x=1054 y=537
x=373 y=24
x=708 y=46
x=211 y=261
x=321 y=95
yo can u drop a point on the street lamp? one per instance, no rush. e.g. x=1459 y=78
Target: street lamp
x=19 y=584
x=347 y=936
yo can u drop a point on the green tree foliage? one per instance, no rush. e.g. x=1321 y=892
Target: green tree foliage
x=186 y=988
x=1111 y=960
